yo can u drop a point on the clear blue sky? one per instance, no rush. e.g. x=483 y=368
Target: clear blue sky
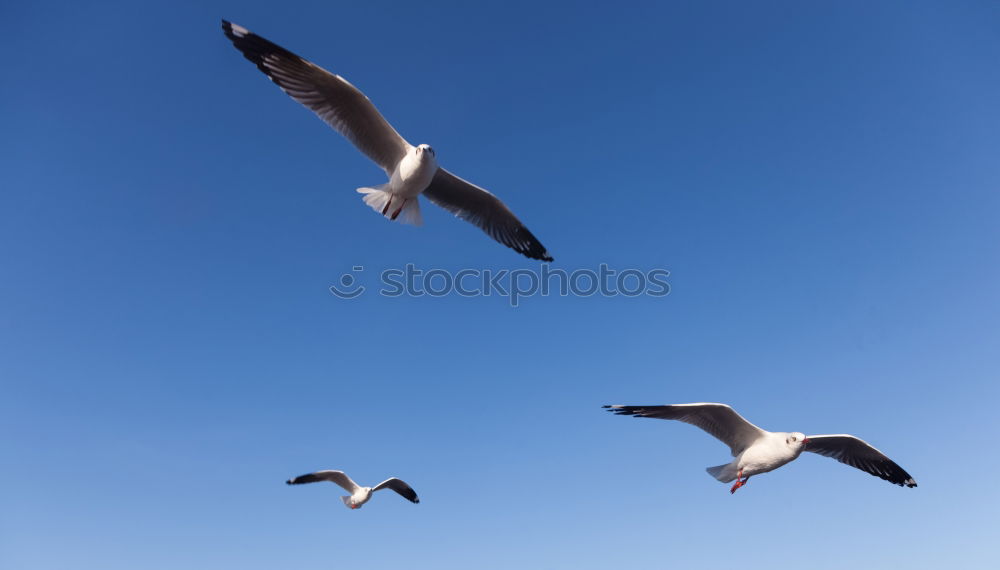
x=821 y=180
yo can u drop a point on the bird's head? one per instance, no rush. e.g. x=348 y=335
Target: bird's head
x=796 y=439
x=421 y=149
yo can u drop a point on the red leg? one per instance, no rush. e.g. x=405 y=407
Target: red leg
x=739 y=482
x=396 y=213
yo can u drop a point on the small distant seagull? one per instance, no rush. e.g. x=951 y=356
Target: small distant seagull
x=358 y=495
x=412 y=170
x=759 y=451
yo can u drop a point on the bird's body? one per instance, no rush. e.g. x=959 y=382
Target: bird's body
x=408 y=180
x=412 y=170
x=757 y=451
x=358 y=495
x=766 y=454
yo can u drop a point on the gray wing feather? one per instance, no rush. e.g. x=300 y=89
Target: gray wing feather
x=330 y=96
x=859 y=454
x=719 y=420
x=338 y=477
x=481 y=208
x=399 y=486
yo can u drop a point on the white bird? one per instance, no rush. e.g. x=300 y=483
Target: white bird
x=759 y=451
x=412 y=170
x=358 y=495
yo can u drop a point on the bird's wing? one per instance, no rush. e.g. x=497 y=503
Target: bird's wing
x=717 y=419
x=338 y=477
x=399 y=486
x=330 y=96
x=477 y=206
x=858 y=453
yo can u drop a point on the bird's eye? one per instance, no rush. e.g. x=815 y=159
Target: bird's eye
x=793 y=438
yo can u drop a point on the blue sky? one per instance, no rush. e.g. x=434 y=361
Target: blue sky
x=819 y=178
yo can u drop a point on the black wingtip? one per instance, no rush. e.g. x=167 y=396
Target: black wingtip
x=534 y=253
x=620 y=410
x=525 y=243
x=536 y=250
x=290 y=482
x=235 y=32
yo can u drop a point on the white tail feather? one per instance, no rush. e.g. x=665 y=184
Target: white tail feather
x=723 y=473
x=384 y=202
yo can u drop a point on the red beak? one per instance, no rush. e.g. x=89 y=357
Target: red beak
x=805 y=440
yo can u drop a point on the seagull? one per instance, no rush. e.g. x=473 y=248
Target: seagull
x=412 y=170
x=358 y=495
x=759 y=451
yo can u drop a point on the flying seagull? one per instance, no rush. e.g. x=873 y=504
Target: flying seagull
x=412 y=170
x=759 y=451
x=358 y=495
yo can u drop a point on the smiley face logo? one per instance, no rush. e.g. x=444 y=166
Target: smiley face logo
x=348 y=288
